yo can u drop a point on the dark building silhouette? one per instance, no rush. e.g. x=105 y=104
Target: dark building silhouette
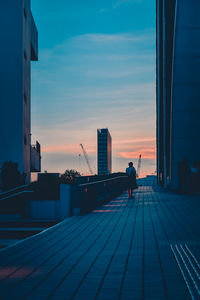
x=104 y=146
x=178 y=87
x=19 y=47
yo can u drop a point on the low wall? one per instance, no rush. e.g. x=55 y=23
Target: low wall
x=44 y=209
x=51 y=209
x=74 y=200
x=89 y=195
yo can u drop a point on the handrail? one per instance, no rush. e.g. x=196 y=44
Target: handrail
x=14 y=189
x=95 y=182
x=89 y=195
x=14 y=195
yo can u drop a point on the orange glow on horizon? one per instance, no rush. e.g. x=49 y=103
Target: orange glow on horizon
x=127 y=148
x=135 y=141
x=122 y=149
x=65 y=148
x=60 y=148
x=147 y=153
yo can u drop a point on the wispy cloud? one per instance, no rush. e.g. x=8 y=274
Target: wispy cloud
x=139 y=141
x=123 y=41
x=147 y=153
x=121 y=2
x=109 y=38
x=132 y=148
x=117 y=3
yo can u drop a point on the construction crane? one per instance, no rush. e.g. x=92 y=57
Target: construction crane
x=86 y=159
x=79 y=161
x=139 y=166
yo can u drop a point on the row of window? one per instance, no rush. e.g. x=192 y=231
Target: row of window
x=25 y=97
x=25 y=14
x=25 y=140
x=25 y=55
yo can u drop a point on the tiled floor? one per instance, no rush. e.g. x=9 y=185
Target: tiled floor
x=13 y=231
x=142 y=248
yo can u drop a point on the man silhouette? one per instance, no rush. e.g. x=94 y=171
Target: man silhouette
x=131 y=172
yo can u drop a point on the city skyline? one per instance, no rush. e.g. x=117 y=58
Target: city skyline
x=96 y=69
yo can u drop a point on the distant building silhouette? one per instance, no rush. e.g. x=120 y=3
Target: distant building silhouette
x=178 y=87
x=19 y=47
x=104 y=146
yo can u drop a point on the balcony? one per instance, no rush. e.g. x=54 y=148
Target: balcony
x=35 y=158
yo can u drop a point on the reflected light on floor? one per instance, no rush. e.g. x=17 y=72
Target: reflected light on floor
x=105 y=210
x=10 y=271
x=116 y=201
x=108 y=205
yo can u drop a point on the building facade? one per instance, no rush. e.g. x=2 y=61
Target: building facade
x=104 y=146
x=19 y=47
x=178 y=87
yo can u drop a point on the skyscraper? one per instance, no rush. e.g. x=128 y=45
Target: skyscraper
x=178 y=87
x=19 y=46
x=104 y=146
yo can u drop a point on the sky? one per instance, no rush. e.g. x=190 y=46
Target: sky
x=96 y=69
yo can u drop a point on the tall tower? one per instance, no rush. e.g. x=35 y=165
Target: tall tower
x=178 y=86
x=19 y=47
x=104 y=145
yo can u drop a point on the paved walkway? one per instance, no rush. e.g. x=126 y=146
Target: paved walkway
x=143 y=248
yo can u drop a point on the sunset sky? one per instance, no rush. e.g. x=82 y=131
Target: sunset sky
x=96 y=69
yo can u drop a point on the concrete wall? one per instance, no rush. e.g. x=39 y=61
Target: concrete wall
x=11 y=84
x=52 y=209
x=178 y=86
x=44 y=209
x=109 y=154
x=185 y=127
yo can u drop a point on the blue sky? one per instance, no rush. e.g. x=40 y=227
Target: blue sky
x=96 y=69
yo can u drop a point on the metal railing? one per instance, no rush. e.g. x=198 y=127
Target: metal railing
x=14 y=201
x=89 y=195
x=13 y=191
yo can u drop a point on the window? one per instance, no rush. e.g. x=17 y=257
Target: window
x=25 y=55
x=25 y=140
x=25 y=14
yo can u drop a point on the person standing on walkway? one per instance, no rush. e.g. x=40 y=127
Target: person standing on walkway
x=132 y=184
